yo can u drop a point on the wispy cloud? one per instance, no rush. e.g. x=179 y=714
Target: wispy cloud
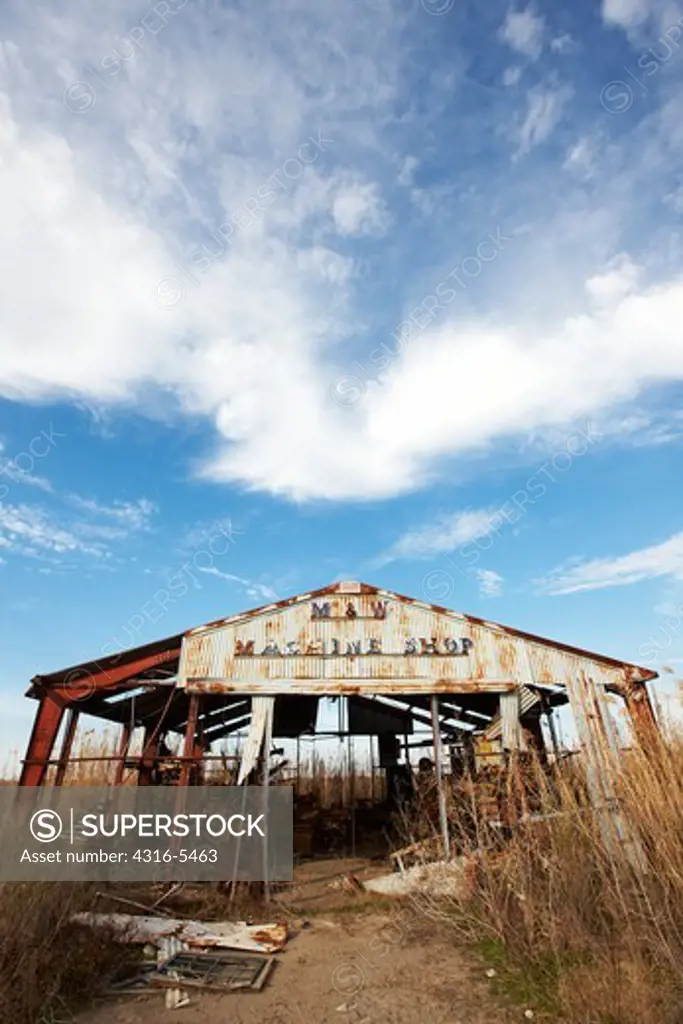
x=445 y=533
x=358 y=209
x=50 y=533
x=665 y=559
x=545 y=109
x=31 y=531
x=13 y=470
x=130 y=515
x=523 y=32
x=252 y=587
x=490 y=582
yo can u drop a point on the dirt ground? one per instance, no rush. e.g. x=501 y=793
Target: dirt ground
x=351 y=959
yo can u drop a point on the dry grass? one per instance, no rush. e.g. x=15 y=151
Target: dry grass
x=582 y=922
x=49 y=966
x=579 y=924
x=338 y=783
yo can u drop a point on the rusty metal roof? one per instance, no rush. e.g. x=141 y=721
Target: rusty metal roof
x=498 y=655
x=351 y=637
x=105 y=663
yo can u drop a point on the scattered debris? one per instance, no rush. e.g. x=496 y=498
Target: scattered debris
x=421 y=853
x=176 y=999
x=134 y=985
x=347 y=883
x=438 y=879
x=254 y=938
x=169 y=947
x=213 y=955
x=217 y=970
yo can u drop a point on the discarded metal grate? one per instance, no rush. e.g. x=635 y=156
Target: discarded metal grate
x=219 y=969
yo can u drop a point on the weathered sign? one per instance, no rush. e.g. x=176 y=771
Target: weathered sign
x=336 y=647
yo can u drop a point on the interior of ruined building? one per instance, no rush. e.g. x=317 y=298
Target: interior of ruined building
x=363 y=769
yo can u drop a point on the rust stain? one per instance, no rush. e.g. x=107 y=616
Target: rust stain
x=507 y=654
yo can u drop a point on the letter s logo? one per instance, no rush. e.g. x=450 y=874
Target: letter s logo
x=46 y=826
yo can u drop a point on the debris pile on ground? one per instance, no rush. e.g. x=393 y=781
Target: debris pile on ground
x=440 y=878
x=189 y=955
x=142 y=929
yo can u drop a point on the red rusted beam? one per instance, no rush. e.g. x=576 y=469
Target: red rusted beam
x=133 y=760
x=43 y=735
x=123 y=750
x=82 y=687
x=641 y=713
x=190 y=731
x=67 y=744
x=150 y=754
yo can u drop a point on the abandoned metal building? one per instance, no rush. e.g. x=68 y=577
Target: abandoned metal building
x=392 y=662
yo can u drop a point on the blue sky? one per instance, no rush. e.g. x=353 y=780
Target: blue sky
x=377 y=289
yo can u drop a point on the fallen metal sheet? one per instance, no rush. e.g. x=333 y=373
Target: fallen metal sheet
x=253 y=938
x=261 y=723
x=221 y=970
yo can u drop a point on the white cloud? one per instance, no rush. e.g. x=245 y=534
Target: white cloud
x=563 y=44
x=130 y=515
x=582 y=158
x=512 y=75
x=32 y=532
x=665 y=559
x=523 y=32
x=13 y=473
x=358 y=209
x=545 y=108
x=96 y=208
x=253 y=588
x=490 y=582
x=618 y=279
x=446 y=533
x=627 y=13
x=408 y=168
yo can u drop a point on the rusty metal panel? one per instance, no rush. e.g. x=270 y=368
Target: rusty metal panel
x=511 y=731
x=350 y=638
x=261 y=721
x=345 y=687
x=600 y=747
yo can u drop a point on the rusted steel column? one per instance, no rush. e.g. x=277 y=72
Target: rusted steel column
x=45 y=728
x=123 y=750
x=198 y=766
x=438 y=765
x=190 y=730
x=67 y=744
x=641 y=713
x=150 y=751
x=267 y=744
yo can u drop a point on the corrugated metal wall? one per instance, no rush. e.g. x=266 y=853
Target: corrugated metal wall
x=359 y=638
